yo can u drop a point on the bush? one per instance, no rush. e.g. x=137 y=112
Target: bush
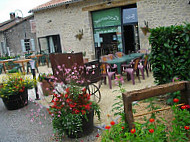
x=170 y=53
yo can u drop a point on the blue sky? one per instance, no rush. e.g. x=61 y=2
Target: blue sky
x=7 y=6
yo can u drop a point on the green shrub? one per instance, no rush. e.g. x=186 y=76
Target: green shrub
x=170 y=53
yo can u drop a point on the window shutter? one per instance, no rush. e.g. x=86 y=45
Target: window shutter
x=32 y=44
x=23 y=45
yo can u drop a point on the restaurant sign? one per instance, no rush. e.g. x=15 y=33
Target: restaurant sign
x=106 y=18
x=130 y=16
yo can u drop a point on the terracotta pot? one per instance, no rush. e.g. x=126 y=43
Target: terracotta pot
x=85 y=60
x=47 y=84
x=14 y=102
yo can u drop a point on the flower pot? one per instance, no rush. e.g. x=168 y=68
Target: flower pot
x=87 y=126
x=47 y=84
x=145 y=30
x=14 y=102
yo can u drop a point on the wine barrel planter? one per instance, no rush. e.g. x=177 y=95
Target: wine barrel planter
x=14 y=102
x=87 y=126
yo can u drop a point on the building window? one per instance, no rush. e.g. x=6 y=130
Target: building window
x=27 y=44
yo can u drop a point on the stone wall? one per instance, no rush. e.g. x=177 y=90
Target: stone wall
x=161 y=13
x=15 y=34
x=68 y=21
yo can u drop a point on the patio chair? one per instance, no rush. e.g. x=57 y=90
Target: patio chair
x=119 y=54
x=14 y=67
x=109 y=57
x=106 y=71
x=29 y=66
x=144 y=65
x=133 y=67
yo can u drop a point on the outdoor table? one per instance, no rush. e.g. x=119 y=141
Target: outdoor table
x=38 y=56
x=22 y=62
x=124 y=59
x=5 y=61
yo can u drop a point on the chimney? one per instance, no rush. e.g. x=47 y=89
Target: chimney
x=12 y=15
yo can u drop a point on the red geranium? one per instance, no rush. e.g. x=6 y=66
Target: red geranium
x=112 y=123
x=186 y=127
x=151 y=120
x=133 y=131
x=175 y=100
x=107 y=127
x=151 y=130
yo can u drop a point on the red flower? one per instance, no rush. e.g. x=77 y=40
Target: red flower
x=112 y=123
x=83 y=112
x=151 y=130
x=183 y=107
x=84 y=90
x=122 y=127
x=67 y=90
x=21 y=90
x=107 y=127
x=186 y=127
x=175 y=100
x=151 y=120
x=66 y=95
x=133 y=131
x=187 y=106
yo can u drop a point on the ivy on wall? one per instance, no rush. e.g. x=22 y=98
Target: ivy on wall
x=170 y=52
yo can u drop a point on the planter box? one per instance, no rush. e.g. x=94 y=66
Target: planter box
x=16 y=101
x=47 y=84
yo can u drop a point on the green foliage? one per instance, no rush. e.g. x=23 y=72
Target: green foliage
x=170 y=53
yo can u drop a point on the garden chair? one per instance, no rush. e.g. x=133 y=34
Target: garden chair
x=29 y=66
x=106 y=71
x=14 y=67
x=109 y=57
x=119 y=54
x=133 y=67
x=143 y=66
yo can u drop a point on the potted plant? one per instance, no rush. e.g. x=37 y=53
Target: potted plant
x=145 y=29
x=46 y=83
x=72 y=110
x=14 y=90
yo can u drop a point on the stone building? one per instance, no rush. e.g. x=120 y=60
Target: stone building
x=103 y=26
x=16 y=36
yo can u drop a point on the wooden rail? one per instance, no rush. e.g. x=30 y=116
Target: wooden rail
x=137 y=95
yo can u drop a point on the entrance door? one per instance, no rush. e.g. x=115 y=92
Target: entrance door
x=131 y=38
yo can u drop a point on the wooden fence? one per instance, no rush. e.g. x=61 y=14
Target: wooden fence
x=137 y=95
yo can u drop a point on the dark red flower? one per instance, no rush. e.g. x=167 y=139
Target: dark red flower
x=151 y=130
x=186 y=127
x=175 y=100
x=97 y=135
x=122 y=127
x=187 y=106
x=112 y=123
x=107 y=127
x=67 y=90
x=151 y=120
x=133 y=131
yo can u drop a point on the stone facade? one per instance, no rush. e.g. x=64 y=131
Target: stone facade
x=67 y=21
x=15 y=34
x=161 y=13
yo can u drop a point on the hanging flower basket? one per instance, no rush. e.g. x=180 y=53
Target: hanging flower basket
x=145 y=30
